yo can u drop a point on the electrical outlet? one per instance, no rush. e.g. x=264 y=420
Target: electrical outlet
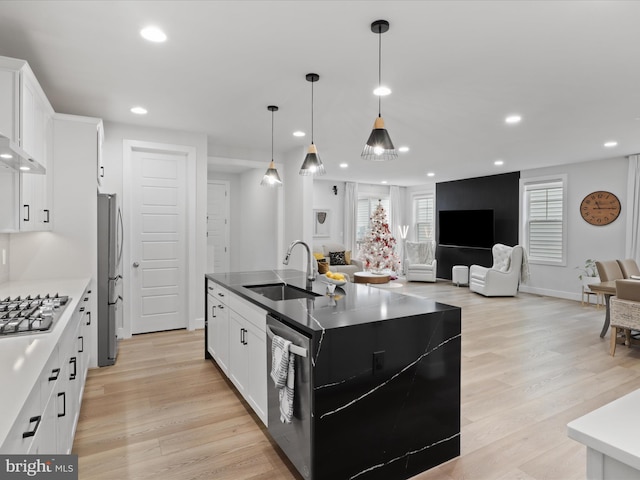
x=378 y=361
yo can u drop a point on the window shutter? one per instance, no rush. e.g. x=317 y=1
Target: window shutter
x=424 y=218
x=545 y=222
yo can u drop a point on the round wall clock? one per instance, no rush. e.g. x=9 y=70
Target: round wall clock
x=600 y=208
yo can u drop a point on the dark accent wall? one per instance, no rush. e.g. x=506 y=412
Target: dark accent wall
x=497 y=192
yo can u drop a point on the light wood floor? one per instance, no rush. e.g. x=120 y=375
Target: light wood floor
x=530 y=365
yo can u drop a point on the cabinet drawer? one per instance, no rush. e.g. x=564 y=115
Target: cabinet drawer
x=26 y=427
x=218 y=292
x=250 y=312
x=50 y=377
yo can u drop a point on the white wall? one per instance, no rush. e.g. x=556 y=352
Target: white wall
x=235 y=216
x=298 y=208
x=115 y=134
x=324 y=199
x=583 y=240
x=4 y=247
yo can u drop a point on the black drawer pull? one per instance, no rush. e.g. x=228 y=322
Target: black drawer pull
x=31 y=433
x=74 y=362
x=47 y=212
x=64 y=404
x=54 y=374
x=220 y=294
x=89 y=316
x=28 y=214
x=81 y=338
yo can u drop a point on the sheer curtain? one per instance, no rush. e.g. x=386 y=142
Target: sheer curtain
x=350 y=216
x=395 y=212
x=633 y=209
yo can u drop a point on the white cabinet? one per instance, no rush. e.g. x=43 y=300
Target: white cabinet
x=48 y=419
x=218 y=330
x=236 y=337
x=26 y=134
x=24 y=122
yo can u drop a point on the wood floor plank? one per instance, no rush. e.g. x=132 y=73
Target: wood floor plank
x=530 y=364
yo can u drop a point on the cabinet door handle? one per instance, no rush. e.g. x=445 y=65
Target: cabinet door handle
x=101 y=172
x=242 y=336
x=210 y=288
x=221 y=307
x=89 y=317
x=64 y=404
x=213 y=311
x=74 y=362
x=27 y=212
x=32 y=433
x=47 y=212
x=54 y=374
x=81 y=338
x=81 y=309
x=220 y=294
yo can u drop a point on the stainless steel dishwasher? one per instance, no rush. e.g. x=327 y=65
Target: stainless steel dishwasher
x=293 y=438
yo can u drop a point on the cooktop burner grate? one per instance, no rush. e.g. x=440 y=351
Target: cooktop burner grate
x=30 y=314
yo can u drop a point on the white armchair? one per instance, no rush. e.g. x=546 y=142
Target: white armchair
x=503 y=278
x=420 y=262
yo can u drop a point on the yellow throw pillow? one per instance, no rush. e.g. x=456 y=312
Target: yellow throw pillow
x=347 y=257
x=319 y=256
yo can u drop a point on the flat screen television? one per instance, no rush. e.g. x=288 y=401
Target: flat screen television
x=466 y=228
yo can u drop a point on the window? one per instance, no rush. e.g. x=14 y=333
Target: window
x=423 y=217
x=544 y=228
x=366 y=207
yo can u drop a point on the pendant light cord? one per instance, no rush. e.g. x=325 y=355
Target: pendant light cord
x=312 y=82
x=272 y=135
x=379 y=70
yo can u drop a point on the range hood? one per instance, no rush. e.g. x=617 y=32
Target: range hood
x=15 y=158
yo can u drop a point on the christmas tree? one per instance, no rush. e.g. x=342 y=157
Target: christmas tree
x=378 y=249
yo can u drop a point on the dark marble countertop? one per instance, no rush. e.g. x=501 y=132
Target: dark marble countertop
x=353 y=304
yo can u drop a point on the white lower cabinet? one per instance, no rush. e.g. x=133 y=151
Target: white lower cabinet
x=218 y=332
x=237 y=341
x=48 y=419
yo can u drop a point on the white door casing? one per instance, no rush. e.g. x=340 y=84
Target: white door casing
x=218 y=227
x=159 y=213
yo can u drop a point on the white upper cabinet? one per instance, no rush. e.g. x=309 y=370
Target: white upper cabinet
x=25 y=113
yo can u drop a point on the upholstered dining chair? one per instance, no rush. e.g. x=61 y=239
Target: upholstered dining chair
x=628 y=267
x=625 y=312
x=609 y=270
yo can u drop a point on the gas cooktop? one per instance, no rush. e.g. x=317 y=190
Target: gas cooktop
x=30 y=314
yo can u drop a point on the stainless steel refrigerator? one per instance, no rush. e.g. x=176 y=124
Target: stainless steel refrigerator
x=110 y=240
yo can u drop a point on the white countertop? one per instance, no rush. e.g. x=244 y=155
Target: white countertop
x=23 y=357
x=612 y=429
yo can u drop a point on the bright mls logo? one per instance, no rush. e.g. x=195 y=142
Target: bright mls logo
x=59 y=467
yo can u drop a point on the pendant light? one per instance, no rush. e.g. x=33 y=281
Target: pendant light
x=379 y=147
x=312 y=164
x=271 y=177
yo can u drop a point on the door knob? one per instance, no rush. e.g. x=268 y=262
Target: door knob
x=136 y=264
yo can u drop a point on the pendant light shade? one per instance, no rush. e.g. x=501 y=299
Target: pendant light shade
x=312 y=165
x=379 y=146
x=271 y=177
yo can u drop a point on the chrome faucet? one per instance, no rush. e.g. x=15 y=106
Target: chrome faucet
x=310 y=274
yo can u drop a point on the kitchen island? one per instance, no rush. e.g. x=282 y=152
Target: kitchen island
x=383 y=371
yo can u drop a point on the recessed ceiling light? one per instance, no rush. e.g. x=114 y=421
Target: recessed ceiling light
x=298 y=133
x=6 y=155
x=344 y=165
x=431 y=174
x=139 y=110
x=382 y=91
x=403 y=149
x=611 y=144
x=513 y=119
x=498 y=163
x=153 y=34
x=383 y=181
x=25 y=168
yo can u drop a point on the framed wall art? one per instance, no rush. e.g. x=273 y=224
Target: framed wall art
x=321 y=223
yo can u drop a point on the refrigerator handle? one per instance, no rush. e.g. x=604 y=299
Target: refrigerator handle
x=121 y=235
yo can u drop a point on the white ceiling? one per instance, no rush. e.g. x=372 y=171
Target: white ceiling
x=456 y=68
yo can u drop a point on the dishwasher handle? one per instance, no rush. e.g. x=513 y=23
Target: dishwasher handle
x=295 y=349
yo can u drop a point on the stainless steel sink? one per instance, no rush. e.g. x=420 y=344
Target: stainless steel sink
x=281 y=291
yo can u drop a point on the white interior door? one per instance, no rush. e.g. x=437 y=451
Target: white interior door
x=218 y=227
x=158 y=241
